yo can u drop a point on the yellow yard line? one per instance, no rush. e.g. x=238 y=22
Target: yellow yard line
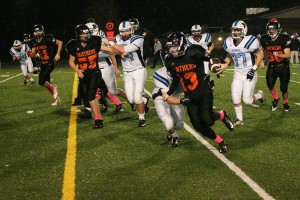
x=69 y=173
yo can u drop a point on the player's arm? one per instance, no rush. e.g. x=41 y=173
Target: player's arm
x=286 y=53
x=73 y=65
x=210 y=47
x=224 y=66
x=259 y=57
x=106 y=49
x=115 y=65
x=59 y=44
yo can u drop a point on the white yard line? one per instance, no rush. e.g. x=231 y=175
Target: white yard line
x=10 y=78
x=252 y=184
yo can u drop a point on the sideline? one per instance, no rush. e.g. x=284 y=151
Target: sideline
x=253 y=185
x=68 y=189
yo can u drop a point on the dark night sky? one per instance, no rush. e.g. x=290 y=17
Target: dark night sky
x=60 y=17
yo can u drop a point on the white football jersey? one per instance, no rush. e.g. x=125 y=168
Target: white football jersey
x=242 y=54
x=162 y=80
x=22 y=54
x=134 y=59
x=205 y=39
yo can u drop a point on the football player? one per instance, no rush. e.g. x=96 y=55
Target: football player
x=278 y=48
x=20 y=52
x=43 y=46
x=171 y=115
x=186 y=67
x=247 y=54
x=84 y=51
x=109 y=69
x=134 y=72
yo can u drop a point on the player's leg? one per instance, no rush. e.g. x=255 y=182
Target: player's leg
x=236 y=94
x=24 y=72
x=30 y=70
x=271 y=78
x=284 y=78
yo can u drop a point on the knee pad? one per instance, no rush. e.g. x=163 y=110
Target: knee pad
x=248 y=101
x=137 y=97
x=168 y=123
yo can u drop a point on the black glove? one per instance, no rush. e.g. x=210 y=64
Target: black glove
x=159 y=93
x=185 y=101
x=250 y=74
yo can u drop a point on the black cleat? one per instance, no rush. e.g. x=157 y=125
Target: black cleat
x=227 y=121
x=133 y=106
x=86 y=115
x=286 y=107
x=98 y=124
x=119 y=108
x=169 y=137
x=146 y=104
x=25 y=82
x=212 y=83
x=104 y=108
x=175 y=141
x=274 y=104
x=223 y=147
x=77 y=102
x=142 y=122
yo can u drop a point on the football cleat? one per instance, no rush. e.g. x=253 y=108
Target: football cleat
x=169 y=137
x=55 y=93
x=146 y=104
x=274 y=104
x=227 y=121
x=286 y=107
x=77 y=102
x=119 y=108
x=212 y=83
x=133 y=106
x=56 y=101
x=104 y=108
x=86 y=115
x=32 y=82
x=237 y=122
x=98 y=124
x=25 y=82
x=142 y=122
x=223 y=147
x=175 y=141
x=262 y=100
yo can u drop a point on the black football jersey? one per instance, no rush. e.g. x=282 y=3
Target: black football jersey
x=45 y=48
x=86 y=57
x=282 y=42
x=189 y=71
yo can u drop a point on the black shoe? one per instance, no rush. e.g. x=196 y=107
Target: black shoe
x=169 y=137
x=223 y=147
x=274 y=104
x=227 y=121
x=142 y=123
x=86 y=115
x=146 y=104
x=25 y=82
x=77 y=102
x=286 y=107
x=98 y=124
x=104 y=108
x=119 y=108
x=175 y=141
x=133 y=106
x=212 y=83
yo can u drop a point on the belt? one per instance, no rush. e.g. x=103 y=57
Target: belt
x=133 y=70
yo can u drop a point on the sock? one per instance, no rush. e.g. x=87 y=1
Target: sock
x=257 y=96
x=144 y=100
x=97 y=117
x=142 y=116
x=285 y=101
x=221 y=115
x=274 y=93
x=239 y=112
x=25 y=78
x=50 y=88
x=89 y=109
x=218 y=139
x=114 y=99
x=174 y=134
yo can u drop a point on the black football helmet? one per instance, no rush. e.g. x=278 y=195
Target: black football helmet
x=38 y=31
x=273 y=29
x=135 y=24
x=80 y=30
x=178 y=40
x=26 y=38
x=90 y=20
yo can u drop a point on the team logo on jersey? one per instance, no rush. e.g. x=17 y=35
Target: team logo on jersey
x=186 y=67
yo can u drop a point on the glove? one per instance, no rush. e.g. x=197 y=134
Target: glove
x=250 y=74
x=159 y=93
x=185 y=101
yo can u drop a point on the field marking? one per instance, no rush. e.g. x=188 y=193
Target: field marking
x=69 y=172
x=253 y=185
x=10 y=78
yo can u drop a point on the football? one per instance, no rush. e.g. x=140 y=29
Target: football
x=214 y=64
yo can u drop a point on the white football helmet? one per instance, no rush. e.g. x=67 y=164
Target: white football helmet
x=94 y=28
x=124 y=27
x=17 y=45
x=238 y=29
x=196 y=30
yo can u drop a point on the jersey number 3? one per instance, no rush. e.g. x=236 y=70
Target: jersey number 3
x=190 y=81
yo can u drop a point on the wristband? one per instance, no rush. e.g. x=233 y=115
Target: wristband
x=254 y=67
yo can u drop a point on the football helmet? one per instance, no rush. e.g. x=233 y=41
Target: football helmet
x=176 y=44
x=17 y=45
x=26 y=37
x=90 y=20
x=94 y=28
x=135 y=24
x=125 y=27
x=82 y=32
x=273 y=29
x=239 y=29
x=196 y=30
x=38 y=31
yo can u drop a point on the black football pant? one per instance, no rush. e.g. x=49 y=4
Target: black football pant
x=202 y=115
x=89 y=85
x=283 y=72
x=45 y=72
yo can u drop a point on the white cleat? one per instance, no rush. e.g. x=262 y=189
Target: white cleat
x=55 y=93
x=56 y=101
x=263 y=99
